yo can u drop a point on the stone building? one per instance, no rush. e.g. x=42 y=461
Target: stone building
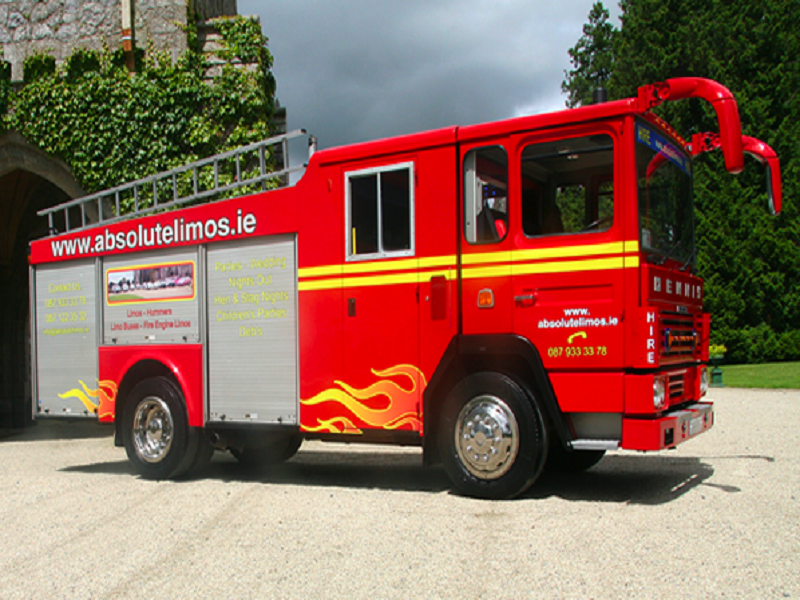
x=30 y=179
x=59 y=26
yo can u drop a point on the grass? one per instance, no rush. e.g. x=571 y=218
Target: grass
x=768 y=376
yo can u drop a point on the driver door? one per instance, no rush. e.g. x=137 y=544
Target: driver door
x=567 y=271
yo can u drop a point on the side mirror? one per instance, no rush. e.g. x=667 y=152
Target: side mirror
x=766 y=156
x=771 y=190
x=706 y=142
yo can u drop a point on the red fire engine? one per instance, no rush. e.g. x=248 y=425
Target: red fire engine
x=510 y=296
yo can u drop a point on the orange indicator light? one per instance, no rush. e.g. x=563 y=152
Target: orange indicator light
x=485 y=298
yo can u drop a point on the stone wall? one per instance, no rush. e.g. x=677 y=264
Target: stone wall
x=59 y=26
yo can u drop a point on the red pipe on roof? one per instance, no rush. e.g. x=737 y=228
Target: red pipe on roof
x=720 y=98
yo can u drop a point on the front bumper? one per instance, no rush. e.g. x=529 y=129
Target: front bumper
x=668 y=430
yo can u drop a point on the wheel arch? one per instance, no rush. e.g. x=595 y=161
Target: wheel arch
x=129 y=365
x=511 y=355
x=139 y=371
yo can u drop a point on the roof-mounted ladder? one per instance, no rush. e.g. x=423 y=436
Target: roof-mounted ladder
x=204 y=179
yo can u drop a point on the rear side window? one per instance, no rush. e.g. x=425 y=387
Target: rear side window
x=380 y=212
x=486 y=195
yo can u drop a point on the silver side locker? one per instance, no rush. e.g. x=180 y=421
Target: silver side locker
x=66 y=322
x=252 y=331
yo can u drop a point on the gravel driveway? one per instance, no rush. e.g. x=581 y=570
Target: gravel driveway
x=718 y=517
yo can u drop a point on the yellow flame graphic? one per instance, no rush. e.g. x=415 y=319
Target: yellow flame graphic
x=106 y=398
x=394 y=415
x=330 y=426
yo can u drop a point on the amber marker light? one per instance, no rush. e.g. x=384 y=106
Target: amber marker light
x=485 y=298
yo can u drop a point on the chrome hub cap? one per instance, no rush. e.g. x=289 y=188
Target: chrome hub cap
x=487 y=437
x=152 y=429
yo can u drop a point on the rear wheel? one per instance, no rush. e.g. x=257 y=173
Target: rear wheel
x=158 y=440
x=493 y=437
x=205 y=450
x=271 y=450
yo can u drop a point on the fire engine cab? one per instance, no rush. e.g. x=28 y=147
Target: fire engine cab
x=511 y=297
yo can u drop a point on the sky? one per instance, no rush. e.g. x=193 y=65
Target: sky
x=355 y=70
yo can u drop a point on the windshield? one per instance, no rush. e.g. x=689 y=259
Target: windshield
x=666 y=207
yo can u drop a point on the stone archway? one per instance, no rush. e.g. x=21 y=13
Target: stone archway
x=30 y=180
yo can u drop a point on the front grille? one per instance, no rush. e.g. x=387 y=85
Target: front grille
x=676 y=386
x=678 y=334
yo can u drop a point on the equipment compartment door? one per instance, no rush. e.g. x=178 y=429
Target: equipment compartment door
x=151 y=298
x=252 y=331
x=66 y=342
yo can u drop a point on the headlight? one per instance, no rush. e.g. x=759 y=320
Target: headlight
x=659 y=393
x=704 y=381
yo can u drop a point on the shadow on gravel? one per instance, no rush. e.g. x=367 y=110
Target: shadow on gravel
x=645 y=480
x=58 y=429
x=117 y=467
x=400 y=472
x=370 y=470
x=648 y=480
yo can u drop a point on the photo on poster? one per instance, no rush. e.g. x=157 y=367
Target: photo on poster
x=151 y=283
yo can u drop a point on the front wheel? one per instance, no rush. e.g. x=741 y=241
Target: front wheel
x=158 y=440
x=560 y=460
x=493 y=437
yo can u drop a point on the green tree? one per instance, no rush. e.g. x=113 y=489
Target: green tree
x=750 y=260
x=592 y=58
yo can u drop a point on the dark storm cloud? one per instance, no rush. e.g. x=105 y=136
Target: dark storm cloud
x=355 y=70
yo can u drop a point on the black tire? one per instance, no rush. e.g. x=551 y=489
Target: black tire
x=512 y=460
x=205 y=450
x=273 y=449
x=296 y=440
x=155 y=429
x=560 y=460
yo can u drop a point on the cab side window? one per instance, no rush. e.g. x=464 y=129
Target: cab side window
x=486 y=195
x=380 y=212
x=568 y=186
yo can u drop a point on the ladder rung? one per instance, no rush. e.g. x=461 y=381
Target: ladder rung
x=172 y=176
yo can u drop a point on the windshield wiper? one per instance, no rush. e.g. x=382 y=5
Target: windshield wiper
x=688 y=260
x=669 y=252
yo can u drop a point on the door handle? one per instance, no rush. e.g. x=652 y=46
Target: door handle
x=525 y=299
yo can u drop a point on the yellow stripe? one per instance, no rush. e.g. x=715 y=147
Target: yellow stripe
x=394 y=279
x=543 y=253
x=374 y=267
x=493 y=271
x=438 y=261
x=512 y=263
x=319 y=271
x=569 y=251
x=383 y=265
x=631 y=246
x=597 y=264
x=632 y=261
x=487 y=257
x=319 y=284
x=470 y=259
